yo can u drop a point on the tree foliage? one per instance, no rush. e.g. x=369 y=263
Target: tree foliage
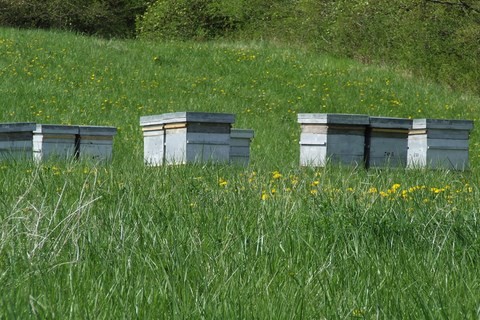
x=109 y=18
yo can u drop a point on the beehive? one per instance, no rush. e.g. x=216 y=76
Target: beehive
x=16 y=140
x=95 y=142
x=338 y=138
x=240 y=140
x=439 y=143
x=387 y=142
x=186 y=137
x=55 y=141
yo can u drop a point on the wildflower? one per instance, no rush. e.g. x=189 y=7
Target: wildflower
x=222 y=182
x=314 y=192
x=372 y=190
x=276 y=175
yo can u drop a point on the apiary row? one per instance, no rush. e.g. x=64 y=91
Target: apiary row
x=193 y=137
x=44 y=141
x=382 y=141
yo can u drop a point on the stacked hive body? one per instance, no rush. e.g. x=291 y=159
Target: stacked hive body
x=16 y=140
x=46 y=141
x=437 y=143
x=186 y=137
x=240 y=140
x=339 y=138
x=95 y=142
x=54 y=141
x=387 y=142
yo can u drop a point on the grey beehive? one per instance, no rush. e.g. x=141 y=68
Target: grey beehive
x=339 y=138
x=439 y=143
x=387 y=142
x=186 y=137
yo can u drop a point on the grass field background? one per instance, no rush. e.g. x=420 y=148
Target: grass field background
x=271 y=240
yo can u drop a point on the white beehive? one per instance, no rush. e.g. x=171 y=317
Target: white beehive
x=95 y=142
x=387 y=142
x=240 y=140
x=16 y=140
x=55 y=141
x=186 y=137
x=439 y=143
x=338 y=138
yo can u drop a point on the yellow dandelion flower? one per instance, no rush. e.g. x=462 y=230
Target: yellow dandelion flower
x=222 y=182
x=276 y=175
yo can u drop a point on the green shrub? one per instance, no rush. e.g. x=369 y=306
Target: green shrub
x=190 y=19
x=108 y=18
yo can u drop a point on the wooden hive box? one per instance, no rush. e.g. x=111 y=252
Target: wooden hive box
x=95 y=142
x=338 y=138
x=186 y=137
x=240 y=140
x=387 y=142
x=55 y=141
x=16 y=140
x=439 y=143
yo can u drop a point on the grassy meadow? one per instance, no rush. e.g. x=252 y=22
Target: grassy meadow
x=268 y=241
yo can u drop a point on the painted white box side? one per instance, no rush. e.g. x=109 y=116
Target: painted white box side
x=311 y=155
x=154 y=147
x=175 y=146
x=54 y=141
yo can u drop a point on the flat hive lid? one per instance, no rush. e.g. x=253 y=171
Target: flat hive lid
x=181 y=117
x=18 y=127
x=97 y=130
x=390 y=123
x=56 y=129
x=442 y=124
x=333 y=118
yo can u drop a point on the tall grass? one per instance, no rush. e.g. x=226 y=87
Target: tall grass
x=272 y=240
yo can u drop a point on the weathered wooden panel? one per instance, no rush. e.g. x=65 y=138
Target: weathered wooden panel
x=54 y=141
x=336 y=138
x=313 y=139
x=439 y=143
x=153 y=147
x=16 y=141
x=313 y=156
x=387 y=142
x=388 y=151
x=96 y=142
x=333 y=118
x=187 y=117
x=187 y=137
x=200 y=153
x=240 y=140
